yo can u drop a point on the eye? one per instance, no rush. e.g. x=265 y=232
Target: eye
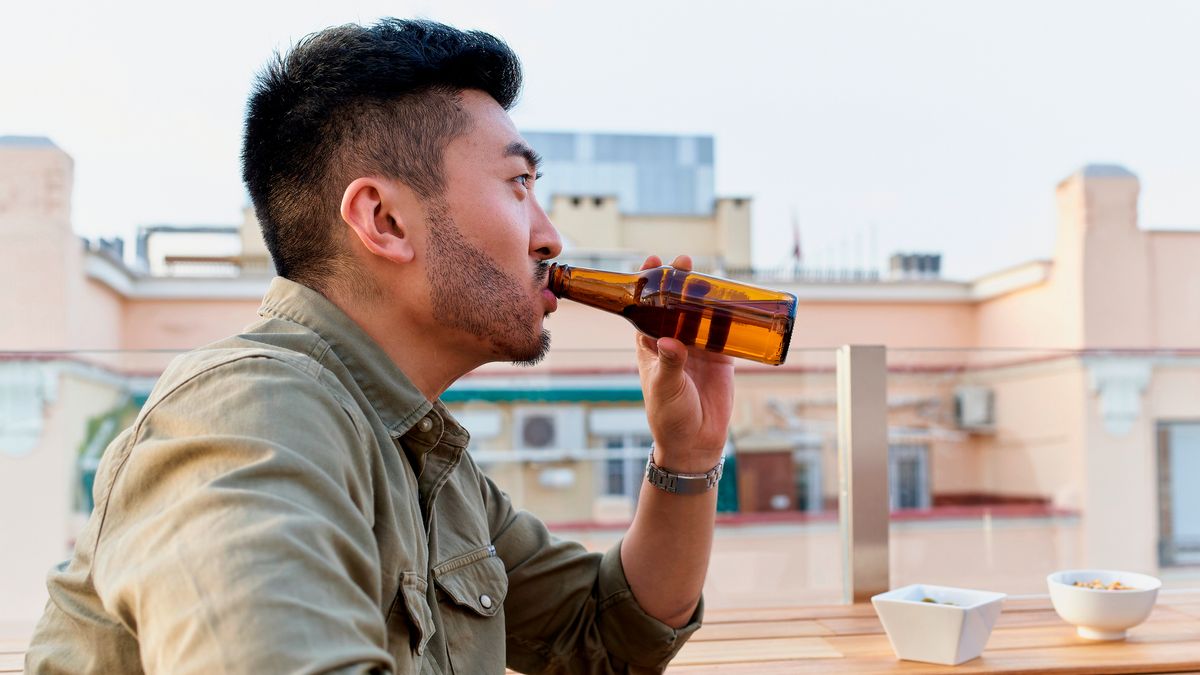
x=528 y=180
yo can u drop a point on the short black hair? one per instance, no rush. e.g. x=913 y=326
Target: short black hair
x=350 y=101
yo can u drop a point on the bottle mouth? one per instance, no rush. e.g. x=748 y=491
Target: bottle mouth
x=556 y=281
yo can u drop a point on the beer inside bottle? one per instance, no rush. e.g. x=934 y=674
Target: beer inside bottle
x=698 y=310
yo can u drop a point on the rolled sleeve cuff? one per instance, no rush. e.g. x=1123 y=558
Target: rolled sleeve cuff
x=629 y=632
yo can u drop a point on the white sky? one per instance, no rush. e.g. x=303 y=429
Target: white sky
x=941 y=126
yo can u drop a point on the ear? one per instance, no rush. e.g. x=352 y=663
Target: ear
x=371 y=207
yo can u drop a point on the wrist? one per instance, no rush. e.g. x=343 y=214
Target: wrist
x=685 y=460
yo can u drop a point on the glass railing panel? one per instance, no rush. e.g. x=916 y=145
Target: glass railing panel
x=567 y=439
x=1006 y=465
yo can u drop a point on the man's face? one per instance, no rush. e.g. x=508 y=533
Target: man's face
x=486 y=238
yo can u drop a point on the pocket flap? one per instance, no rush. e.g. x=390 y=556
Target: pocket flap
x=477 y=581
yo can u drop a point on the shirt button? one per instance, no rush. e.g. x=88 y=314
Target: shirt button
x=486 y=601
x=425 y=424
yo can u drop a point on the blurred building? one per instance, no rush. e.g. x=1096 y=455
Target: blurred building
x=615 y=196
x=646 y=175
x=1068 y=384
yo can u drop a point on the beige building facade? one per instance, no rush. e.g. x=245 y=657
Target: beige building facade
x=1068 y=387
x=596 y=230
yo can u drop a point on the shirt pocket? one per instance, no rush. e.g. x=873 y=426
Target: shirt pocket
x=410 y=613
x=476 y=582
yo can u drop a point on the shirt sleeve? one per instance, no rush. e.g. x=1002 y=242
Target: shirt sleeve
x=568 y=610
x=233 y=537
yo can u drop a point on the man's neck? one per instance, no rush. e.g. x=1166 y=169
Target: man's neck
x=430 y=362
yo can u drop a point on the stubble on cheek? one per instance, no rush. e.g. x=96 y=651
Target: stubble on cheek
x=471 y=293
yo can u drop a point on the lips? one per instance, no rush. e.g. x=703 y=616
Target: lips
x=550 y=300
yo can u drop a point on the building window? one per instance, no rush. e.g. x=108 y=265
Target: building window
x=624 y=463
x=1179 y=502
x=908 y=476
x=614 y=470
x=25 y=388
x=806 y=464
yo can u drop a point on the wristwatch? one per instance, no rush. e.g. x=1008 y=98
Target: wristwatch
x=683 y=483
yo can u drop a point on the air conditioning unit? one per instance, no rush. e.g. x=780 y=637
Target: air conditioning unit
x=974 y=408
x=549 y=428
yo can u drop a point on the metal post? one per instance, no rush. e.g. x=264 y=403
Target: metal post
x=863 y=470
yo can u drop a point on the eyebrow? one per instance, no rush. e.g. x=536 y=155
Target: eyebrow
x=519 y=149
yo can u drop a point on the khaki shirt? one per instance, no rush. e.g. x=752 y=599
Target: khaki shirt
x=287 y=501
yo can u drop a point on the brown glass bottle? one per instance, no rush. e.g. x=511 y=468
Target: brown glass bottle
x=698 y=310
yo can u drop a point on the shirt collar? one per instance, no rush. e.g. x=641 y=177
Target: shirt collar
x=393 y=396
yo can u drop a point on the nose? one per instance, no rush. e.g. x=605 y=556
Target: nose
x=544 y=240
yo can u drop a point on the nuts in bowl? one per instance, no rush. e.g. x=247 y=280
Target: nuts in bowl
x=1102 y=604
x=1096 y=584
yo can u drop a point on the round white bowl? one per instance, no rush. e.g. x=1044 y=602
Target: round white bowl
x=1101 y=614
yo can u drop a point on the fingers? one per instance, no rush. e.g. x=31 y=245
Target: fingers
x=663 y=361
x=682 y=262
x=672 y=357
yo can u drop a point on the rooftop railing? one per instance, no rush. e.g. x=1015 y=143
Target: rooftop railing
x=851 y=470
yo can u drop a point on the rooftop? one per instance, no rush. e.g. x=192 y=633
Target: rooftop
x=26 y=142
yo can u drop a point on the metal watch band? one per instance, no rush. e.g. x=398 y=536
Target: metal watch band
x=683 y=483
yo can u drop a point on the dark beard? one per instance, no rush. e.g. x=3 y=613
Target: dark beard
x=471 y=293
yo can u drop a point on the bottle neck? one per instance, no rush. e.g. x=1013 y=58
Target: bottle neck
x=611 y=291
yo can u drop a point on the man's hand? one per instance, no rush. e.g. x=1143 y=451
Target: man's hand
x=689 y=397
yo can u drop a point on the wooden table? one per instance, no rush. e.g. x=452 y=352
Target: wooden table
x=1028 y=638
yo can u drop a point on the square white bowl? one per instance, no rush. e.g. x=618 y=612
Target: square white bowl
x=1102 y=614
x=936 y=632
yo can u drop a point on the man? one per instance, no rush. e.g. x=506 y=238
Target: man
x=296 y=498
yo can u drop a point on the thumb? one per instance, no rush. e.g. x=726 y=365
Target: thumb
x=672 y=356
